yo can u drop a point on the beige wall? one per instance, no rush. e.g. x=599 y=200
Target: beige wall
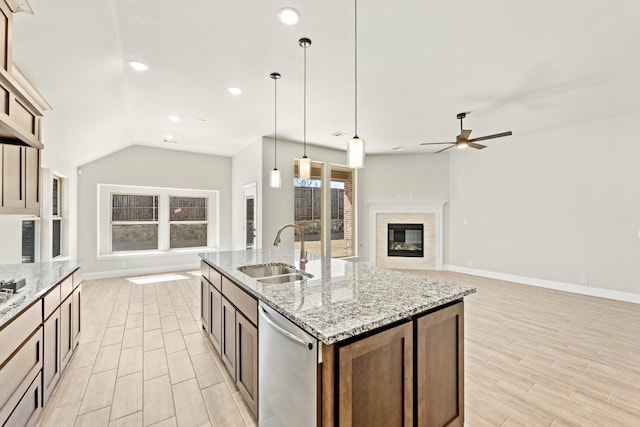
x=556 y=206
x=146 y=166
x=400 y=178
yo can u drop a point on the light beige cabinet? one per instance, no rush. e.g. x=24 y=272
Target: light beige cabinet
x=51 y=371
x=20 y=182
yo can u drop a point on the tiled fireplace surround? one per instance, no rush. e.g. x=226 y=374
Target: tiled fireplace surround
x=427 y=213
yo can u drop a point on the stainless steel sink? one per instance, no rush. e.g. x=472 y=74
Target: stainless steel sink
x=276 y=272
x=267 y=270
x=285 y=278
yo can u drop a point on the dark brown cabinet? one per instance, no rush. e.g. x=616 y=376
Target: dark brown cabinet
x=247 y=361
x=376 y=379
x=205 y=305
x=215 y=320
x=228 y=339
x=20 y=181
x=440 y=367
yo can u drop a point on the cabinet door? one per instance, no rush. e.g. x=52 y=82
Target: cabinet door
x=376 y=379
x=76 y=321
x=247 y=361
x=13 y=183
x=66 y=331
x=440 y=368
x=215 y=321
x=32 y=178
x=228 y=339
x=205 y=309
x=51 y=354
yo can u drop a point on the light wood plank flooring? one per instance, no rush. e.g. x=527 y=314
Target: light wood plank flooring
x=143 y=360
x=534 y=357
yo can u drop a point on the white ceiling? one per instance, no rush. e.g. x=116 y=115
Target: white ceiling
x=525 y=66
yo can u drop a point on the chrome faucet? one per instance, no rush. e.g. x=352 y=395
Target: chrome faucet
x=303 y=253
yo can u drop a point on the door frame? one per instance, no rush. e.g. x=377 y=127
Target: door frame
x=250 y=191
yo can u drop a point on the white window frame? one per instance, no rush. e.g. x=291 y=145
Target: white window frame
x=104 y=250
x=112 y=222
x=57 y=217
x=206 y=220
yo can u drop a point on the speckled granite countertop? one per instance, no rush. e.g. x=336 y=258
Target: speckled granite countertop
x=39 y=276
x=343 y=299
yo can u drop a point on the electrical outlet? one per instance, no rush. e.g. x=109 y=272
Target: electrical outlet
x=584 y=280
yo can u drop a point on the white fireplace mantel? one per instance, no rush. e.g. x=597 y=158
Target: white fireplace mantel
x=433 y=207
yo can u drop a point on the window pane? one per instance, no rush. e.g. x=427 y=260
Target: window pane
x=134 y=237
x=56 y=238
x=188 y=235
x=342 y=218
x=187 y=208
x=134 y=207
x=308 y=213
x=55 y=208
x=28 y=241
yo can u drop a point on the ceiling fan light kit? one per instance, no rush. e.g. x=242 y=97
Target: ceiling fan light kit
x=463 y=141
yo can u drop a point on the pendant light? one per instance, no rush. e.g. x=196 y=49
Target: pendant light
x=355 y=146
x=304 y=164
x=276 y=180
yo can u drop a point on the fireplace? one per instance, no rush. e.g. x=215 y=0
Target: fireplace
x=405 y=240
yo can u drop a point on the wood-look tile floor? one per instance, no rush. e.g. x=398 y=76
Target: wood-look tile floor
x=533 y=357
x=143 y=360
x=540 y=357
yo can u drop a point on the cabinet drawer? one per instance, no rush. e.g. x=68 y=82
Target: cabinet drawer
x=204 y=269
x=66 y=287
x=51 y=301
x=244 y=302
x=23 y=366
x=28 y=409
x=215 y=279
x=13 y=334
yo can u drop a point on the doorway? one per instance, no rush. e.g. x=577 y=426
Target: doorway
x=250 y=216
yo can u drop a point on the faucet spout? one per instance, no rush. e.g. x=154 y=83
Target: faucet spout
x=303 y=253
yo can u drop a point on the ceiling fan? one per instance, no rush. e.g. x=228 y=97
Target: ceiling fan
x=463 y=141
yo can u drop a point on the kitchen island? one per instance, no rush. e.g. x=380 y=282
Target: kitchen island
x=391 y=344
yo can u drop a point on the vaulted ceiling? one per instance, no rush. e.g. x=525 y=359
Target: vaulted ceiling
x=527 y=66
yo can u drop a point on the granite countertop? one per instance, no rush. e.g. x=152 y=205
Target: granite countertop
x=39 y=277
x=343 y=299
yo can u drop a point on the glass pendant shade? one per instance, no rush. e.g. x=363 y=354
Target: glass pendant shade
x=276 y=180
x=355 y=153
x=304 y=168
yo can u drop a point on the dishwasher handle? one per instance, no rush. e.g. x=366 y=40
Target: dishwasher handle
x=288 y=334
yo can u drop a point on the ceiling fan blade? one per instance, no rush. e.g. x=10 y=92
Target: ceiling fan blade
x=497 y=135
x=476 y=146
x=444 y=149
x=464 y=133
x=436 y=143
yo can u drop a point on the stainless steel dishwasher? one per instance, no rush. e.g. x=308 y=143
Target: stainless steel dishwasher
x=287 y=366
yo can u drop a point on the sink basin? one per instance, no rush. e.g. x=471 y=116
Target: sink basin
x=267 y=270
x=285 y=278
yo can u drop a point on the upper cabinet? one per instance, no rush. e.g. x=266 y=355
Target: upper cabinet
x=21 y=106
x=19 y=179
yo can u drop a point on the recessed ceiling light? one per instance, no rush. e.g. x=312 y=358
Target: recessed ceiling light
x=234 y=90
x=398 y=148
x=170 y=139
x=174 y=118
x=138 y=66
x=288 y=16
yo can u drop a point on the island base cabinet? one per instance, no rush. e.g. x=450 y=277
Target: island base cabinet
x=205 y=305
x=51 y=366
x=228 y=339
x=440 y=367
x=247 y=361
x=375 y=379
x=215 y=321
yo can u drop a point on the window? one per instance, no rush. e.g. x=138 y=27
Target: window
x=342 y=212
x=134 y=222
x=187 y=222
x=307 y=213
x=155 y=220
x=30 y=244
x=56 y=217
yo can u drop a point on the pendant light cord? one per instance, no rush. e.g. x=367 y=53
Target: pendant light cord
x=275 y=123
x=305 y=101
x=356 y=65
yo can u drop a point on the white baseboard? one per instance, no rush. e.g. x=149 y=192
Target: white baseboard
x=542 y=283
x=138 y=271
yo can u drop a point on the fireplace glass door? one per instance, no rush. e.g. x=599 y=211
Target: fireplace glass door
x=405 y=240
